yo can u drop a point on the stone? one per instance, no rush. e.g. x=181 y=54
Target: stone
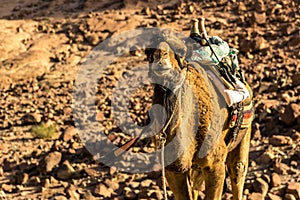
x=294 y=188
x=273 y=197
x=69 y=133
x=7 y=188
x=65 y=171
x=88 y=196
x=67 y=110
x=51 y=160
x=72 y=193
x=295 y=40
x=288 y=28
x=260 y=18
x=281 y=168
x=242 y=6
x=31 y=118
x=296 y=79
x=93 y=39
x=146 y=183
x=259 y=44
x=276 y=180
x=102 y=190
x=260 y=6
x=291 y=113
x=266 y=178
x=24 y=178
x=289 y=197
x=256 y=196
x=191 y=9
x=280 y=140
x=114 y=185
x=112 y=170
x=261 y=186
x=129 y=194
x=134 y=184
x=59 y=197
x=265 y=158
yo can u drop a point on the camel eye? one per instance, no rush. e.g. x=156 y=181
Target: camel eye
x=165 y=54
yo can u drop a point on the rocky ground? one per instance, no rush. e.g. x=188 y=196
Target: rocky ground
x=44 y=43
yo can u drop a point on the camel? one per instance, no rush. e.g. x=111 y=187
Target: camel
x=191 y=104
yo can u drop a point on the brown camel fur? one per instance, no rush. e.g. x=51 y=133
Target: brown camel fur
x=197 y=97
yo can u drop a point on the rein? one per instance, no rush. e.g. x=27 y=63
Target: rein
x=163 y=134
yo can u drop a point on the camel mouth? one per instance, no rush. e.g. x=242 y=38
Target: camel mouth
x=161 y=69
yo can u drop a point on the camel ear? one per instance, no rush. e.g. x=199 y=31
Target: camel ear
x=176 y=44
x=163 y=46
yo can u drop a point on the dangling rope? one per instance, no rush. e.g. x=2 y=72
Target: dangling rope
x=163 y=168
x=163 y=136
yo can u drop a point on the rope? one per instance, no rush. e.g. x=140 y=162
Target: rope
x=163 y=169
x=163 y=141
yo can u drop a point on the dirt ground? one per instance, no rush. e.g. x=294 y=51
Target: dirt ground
x=43 y=44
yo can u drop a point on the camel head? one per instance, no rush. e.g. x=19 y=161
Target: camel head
x=163 y=61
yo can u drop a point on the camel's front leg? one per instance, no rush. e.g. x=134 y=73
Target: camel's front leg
x=237 y=164
x=179 y=184
x=214 y=172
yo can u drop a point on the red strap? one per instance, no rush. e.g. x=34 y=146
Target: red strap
x=125 y=147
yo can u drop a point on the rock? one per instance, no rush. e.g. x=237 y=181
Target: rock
x=24 y=178
x=93 y=39
x=291 y=113
x=69 y=133
x=265 y=158
x=245 y=44
x=261 y=186
x=114 y=185
x=295 y=40
x=102 y=190
x=273 y=197
x=144 y=193
x=280 y=140
x=88 y=196
x=112 y=170
x=31 y=118
x=242 y=6
x=276 y=180
x=147 y=11
x=191 y=9
x=288 y=28
x=72 y=193
x=65 y=171
x=260 y=6
x=7 y=187
x=260 y=43
x=68 y=110
x=256 y=196
x=129 y=194
x=294 y=189
x=296 y=79
x=146 y=183
x=289 y=197
x=266 y=178
x=260 y=18
x=281 y=168
x=51 y=160
x=59 y=197
x=47 y=183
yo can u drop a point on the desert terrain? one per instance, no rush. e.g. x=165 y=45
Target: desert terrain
x=43 y=45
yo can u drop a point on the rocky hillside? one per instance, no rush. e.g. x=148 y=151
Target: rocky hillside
x=44 y=43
